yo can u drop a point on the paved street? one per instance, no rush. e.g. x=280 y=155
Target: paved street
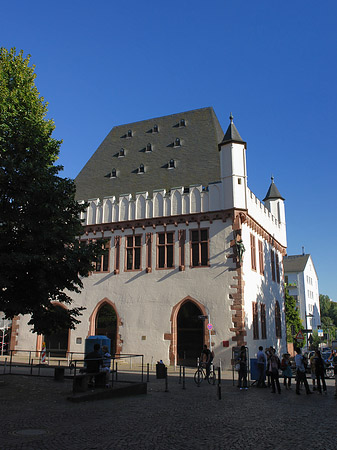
x=35 y=414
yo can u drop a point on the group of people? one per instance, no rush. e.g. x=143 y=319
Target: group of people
x=98 y=361
x=269 y=365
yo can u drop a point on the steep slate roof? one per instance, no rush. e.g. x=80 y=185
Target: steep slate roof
x=295 y=263
x=273 y=192
x=196 y=160
x=232 y=134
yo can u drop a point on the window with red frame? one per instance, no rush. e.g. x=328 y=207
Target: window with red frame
x=277 y=269
x=133 y=249
x=255 y=321
x=165 y=250
x=263 y=321
x=199 y=247
x=261 y=258
x=272 y=259
x=253 y=251
x=102 y=261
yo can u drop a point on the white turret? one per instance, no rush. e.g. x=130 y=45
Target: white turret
x=233 y=168
x=275 y=203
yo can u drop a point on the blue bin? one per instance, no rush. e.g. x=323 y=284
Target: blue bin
x=92 y=340
x=254 y=372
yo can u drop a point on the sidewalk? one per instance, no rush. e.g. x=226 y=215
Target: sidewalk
x=35 y=414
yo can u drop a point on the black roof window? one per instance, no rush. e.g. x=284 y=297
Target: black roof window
x=171 y=164
x=177 y=142
x=148 y=147
x=141 y=168
x=155 y=128
x=182 y=123
x=113 y=173
x=121 y=153
x=129 y=133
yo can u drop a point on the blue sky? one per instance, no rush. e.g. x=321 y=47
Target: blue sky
x=273 y=64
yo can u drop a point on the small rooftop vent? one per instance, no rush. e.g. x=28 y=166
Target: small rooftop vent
x=155 y=128
x=177 y=142
x=113 y=173
x=182 y=123
x=148 y=148
x=121 y=153
x=129 y=134
x=141 y=169
x=171 y=164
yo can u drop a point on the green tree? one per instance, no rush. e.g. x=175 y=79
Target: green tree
x=41 y=257
x=324 y=305
x=293 y=321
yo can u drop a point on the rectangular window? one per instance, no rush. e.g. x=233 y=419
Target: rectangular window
x=102 y=261
x=263 y=321
x=255 y=321
x=182 y=237
x=148 y=252
x=199 y=247
x=253 y=251
x=133 y=250
x=272 y=257
x=277 y=269
x=117 y=254
x=261 y=258
x=165 y=250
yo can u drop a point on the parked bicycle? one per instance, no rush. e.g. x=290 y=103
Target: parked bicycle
x=200 y=374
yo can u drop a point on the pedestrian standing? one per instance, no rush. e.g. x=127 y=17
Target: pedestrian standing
x=274 y=366
x=300 y=373
x=320 y=369
x=313 y=371
x=243 y=368
x=261 y=367
x=286 y=370
x=335 y=371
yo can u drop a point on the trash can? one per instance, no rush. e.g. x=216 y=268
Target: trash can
x=161 y=371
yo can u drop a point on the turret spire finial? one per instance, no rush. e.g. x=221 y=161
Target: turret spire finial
x=272 y=178
x=231 y=118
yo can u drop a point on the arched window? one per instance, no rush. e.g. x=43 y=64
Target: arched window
x=278 y=328
x=177 y=142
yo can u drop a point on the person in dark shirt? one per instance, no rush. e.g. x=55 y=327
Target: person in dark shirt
x=94 y=360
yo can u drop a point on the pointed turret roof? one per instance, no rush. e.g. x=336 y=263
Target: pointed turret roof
x=273 y=192
x=232 y=134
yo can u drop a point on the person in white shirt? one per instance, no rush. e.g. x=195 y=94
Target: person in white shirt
x=300 y=373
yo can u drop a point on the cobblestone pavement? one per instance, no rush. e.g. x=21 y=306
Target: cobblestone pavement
x=35 y=414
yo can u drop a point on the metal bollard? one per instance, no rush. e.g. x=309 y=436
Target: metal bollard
x=219 y=383
x=179 y=375
x=116 y=372
x=184 y=378
x=148 y=373
x=31 y=367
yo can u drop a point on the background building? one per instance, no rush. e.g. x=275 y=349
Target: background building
x=184 y=237
x=302 y=282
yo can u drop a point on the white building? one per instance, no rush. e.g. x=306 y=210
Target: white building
x=170 y=196
x=302 y=282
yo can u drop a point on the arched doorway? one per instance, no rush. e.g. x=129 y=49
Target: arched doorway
x=57 y=343
x=106 y=324
x=190 y=333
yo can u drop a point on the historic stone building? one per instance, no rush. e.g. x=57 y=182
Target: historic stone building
x=184 y=237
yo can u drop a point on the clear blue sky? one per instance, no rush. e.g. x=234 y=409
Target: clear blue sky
x=273 y=64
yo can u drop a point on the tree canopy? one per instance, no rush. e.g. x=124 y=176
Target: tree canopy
x=42 y=259
x=293 y=321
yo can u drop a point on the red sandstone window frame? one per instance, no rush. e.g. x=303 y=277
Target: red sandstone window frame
x=277 y=269
x=117 y=254
x=253 y=251
x=103 y=261
x=148 y=240
x=133 y=248
x=255 y=320
x=278 y=327
x=198 y=246
x=272 y=258
x=182 y=238
x=263 y=321
x=164 y=249
x=261 y=257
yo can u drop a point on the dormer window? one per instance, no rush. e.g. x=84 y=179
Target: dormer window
x=113 y=173
x=129 y=133
x=182 y=123
x=149 y=147
x=177 y=142
x=155 y=128
x=121 y=153
x=171 y=164
x=141 y=168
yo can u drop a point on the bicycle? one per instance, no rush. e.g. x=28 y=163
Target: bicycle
x=200 y=374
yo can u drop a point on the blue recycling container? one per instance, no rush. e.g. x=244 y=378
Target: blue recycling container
x=92 y=340
x=254 y=371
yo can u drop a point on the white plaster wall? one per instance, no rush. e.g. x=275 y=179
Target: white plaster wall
x=260 y=288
